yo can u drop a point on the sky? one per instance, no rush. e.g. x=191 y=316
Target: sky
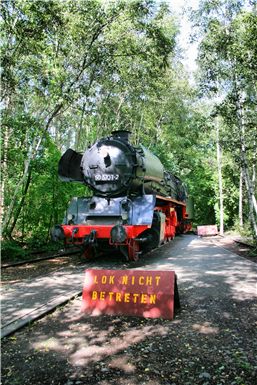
x=190 y=49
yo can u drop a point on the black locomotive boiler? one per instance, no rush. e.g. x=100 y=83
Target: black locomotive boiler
x=136 y=204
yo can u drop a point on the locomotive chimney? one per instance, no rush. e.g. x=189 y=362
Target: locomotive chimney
x=121 y=134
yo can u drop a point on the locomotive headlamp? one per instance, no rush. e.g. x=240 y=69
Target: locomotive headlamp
x=125 y=209
x=118 y=234
x=124 y=216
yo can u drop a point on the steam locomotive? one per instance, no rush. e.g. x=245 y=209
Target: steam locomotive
x=136 y=205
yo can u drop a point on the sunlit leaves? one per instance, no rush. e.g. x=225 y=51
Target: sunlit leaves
x=72 y=71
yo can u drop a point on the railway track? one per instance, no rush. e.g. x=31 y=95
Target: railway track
x=30 y=312
x=40 y=259
x=30 y=299
x=51 y=348
x=244 y=243
x=42 y=294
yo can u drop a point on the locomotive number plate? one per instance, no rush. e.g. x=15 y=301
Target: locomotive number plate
x=106 y=177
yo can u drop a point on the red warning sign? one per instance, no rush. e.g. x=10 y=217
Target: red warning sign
x=150 y=294
x=203 y=231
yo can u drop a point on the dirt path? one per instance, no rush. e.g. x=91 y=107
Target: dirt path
x=211 y=341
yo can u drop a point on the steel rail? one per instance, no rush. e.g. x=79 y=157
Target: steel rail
x=35 y=260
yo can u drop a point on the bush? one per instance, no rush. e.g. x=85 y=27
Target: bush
x=13 y=250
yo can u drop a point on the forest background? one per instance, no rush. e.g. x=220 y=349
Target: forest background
x=74 y=71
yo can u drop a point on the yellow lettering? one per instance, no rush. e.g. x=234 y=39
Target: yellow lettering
x=95 y=279
x=127 y=297
x=148 y=280
x=118 y=297
x=141 y=281
x=111 y=279
x=124 y=297
x=104 y=279
x=152 y=298
x=157 y=279
x=135 y=297
x=124 y=280
x=133 y=280
x=143 y=298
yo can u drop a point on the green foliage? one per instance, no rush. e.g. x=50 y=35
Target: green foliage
x=11 y=250
x=227 y=59
x=72 y=71
x=48 y=197
x=76 y=71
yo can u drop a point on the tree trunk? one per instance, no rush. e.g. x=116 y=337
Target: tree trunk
x=240 y=211
x=251 y=201
x=6 y=136
x=219 y=165
x=245 y=168
x=121 y=101
x=78 y=134
x=21 y=204
x=254 y=164
x=9 y=213
x=31 y=155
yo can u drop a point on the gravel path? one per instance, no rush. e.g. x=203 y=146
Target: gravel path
x=211 y=341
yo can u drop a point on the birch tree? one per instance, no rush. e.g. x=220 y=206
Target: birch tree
x=228 y=59
x=55 y=58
